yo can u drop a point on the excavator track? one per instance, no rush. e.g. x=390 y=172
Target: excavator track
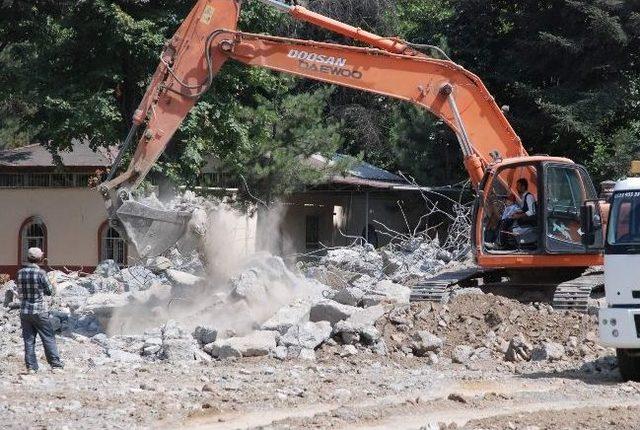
x=574 y=295
x=434 y=289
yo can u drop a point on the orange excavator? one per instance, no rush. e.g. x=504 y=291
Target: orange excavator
x=548 y=252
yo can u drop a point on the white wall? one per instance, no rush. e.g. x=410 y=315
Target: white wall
x=72 y=216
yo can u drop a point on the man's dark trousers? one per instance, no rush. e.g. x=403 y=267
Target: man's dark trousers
x=33 y=324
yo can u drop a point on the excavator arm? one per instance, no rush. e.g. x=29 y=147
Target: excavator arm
x=442 y=87
x=208 y=38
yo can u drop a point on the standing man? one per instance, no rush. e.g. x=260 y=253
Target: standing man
x=33 y=285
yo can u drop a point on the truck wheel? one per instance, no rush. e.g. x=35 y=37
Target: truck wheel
x=629 y=364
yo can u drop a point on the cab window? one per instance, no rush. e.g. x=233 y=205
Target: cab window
x=567 y=187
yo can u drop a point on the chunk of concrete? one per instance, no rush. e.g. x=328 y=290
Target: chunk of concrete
x=387 y=292
x=425 y=342
x=307 y=354
x=462 y=354
x=256 y=344
x=205 y=335
x=519 y=349
x=182 y=279
x=288 y=316
x=280 y=352
x=369 y=335
x=160 y=264
x=152 y=341
x=171 y=330
x=328 y=310
x=107 y=269
x=123 y=356
x=350 y=296
x=548 y=351
x=366 y=317
x=178 y=349
x=308 y=335
x=359 y=326
x=151 y=350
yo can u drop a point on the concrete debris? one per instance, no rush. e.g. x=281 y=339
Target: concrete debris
x=256 y=344
x=387 y=292
x=178 y=349
x=370 y=335
x=182 y=279
x=402 y=261
x=308 y=335
x=519 y=349
x=205 y=335
x=307 y=354
x=288 y=316
x=160 y=264
x=353 y=302
x=360 y=326
x=348 y=351
x=548 y=351
x=123 y=356
x=363 y=260
x=107 y=269
x=425 y=342
x=328 y=310
x=462 y=354
x=350 y=296
x=11 y=298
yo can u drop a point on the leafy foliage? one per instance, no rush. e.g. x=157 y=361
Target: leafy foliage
x=568 y=69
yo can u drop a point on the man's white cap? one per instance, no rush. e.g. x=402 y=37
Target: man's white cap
x=35 y=253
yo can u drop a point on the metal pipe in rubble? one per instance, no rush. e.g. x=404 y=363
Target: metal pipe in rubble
x=304 y=14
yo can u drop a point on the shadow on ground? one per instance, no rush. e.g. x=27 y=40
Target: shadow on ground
x=602 y=371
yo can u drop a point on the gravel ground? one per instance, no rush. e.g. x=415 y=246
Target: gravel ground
x=362 y=391
x=479 y=361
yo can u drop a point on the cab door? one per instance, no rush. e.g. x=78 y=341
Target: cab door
x=566 y=188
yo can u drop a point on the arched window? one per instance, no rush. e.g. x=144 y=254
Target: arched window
x=33 y=234
x=113 y=246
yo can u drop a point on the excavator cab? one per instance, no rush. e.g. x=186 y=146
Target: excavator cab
x=559 y=189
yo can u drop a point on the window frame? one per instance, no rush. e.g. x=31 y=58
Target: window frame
x=625 y=247
x=102 y=232
x=32 y=220
x=589 y=193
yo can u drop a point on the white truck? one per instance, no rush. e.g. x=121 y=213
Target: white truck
x=619 y=322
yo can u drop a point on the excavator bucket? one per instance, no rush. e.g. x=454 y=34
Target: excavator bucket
x=152 y=231
x=189 y=63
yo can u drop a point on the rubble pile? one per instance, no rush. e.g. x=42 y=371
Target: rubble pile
x=403 y=262
x=303 y=319
x=483 y=329
x=354 y=301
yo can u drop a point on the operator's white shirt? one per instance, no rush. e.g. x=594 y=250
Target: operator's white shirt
x=531 y=204
x=510 y=210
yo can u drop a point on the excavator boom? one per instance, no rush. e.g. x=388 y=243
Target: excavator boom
x=208 y=38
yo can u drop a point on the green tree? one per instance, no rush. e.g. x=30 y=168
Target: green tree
x=565 y=67
x=266 y=148
x=79 y=69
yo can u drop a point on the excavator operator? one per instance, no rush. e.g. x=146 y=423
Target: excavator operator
x=516 y=218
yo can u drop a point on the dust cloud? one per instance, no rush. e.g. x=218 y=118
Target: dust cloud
x=239 y=286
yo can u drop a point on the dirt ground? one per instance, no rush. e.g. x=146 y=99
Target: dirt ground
x=362 y=391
